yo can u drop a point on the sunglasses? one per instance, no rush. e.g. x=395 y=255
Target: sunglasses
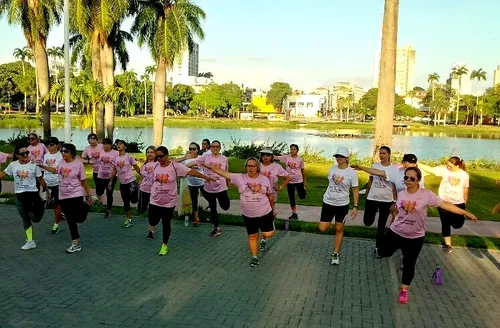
x=193 y=148
x=251 y=165
x=267 y=154
x=25 y=153
x=339 y=156
x=159 y=156
x=64 y=151
x=412 y=179
x=214 y=146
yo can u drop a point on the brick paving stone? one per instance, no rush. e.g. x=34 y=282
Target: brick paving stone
x=118 y=280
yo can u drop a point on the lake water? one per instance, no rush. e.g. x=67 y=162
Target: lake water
x=424 y=145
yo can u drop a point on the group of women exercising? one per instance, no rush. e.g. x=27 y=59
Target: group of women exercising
x=54 y=174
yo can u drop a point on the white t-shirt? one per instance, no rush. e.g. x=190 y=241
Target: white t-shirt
x=396 y=176
x=451 y=188
x=194 y=181
x=339 y=184
x=381 y=188
x=52 y=160
x=25 y=176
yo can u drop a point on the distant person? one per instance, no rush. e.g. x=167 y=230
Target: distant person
x=106 y=161
x=341 y=180
x=454 y=188
x=3 y=159
x=407 y=229
x=205 y=147
x=195 y=184
x=257 y=203
x=90 y=155
x=146 y=180
x=36 y=149
x=30 y=205
x=294 y=165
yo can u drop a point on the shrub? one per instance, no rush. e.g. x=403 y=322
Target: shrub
x=135 y=146
x=16 y=139
x=239 y=150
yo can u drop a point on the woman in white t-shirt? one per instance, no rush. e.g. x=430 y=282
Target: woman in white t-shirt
x=341 y=179
x=380 y=195
x=454 y=188
x=195 y=184
x=30 y=205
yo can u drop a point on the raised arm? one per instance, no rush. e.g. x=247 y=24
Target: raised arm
x=457 y=210
x=48 y=168
x=199 y=175
x=427 y=168
x=370 y=170
x=218 y=171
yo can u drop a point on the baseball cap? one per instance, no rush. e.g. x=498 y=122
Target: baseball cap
x=266 y=150
x=410 y=158
x=342 y=151
x=53 y=140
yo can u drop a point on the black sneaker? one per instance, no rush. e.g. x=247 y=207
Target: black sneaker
x=263 y=245
x=216 y=232
x=254 y=262
x=447 y=249
x=107 y=214
x=151 y=235
x=294 y=216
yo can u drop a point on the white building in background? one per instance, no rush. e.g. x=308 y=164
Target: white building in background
x=466 y=84
x=405 y=70
x=185 y=67
x=304 y=106
x=496 y=76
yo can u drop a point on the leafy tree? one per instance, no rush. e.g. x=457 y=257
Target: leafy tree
x=180 y=97
x=457 y=72
x=168 y=28
x=369 y=99
x=36 y=18
x=22 y=54
x=277 y=94
x=433 y=79
x=219 y=100
x=129 y=96
x=207 y=75
x=57 y=94
x=405 y=110
x=478 y=75
x=14 y=85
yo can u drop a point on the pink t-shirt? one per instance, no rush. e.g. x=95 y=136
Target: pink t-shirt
x=253 y=194
x=273 y=172
x=37 y=152
x=411 y=219
x=164 y=189
x=3 y=157
x=294 y=167
x=106 y=163
x=147 y=176
x=71 y=176
x=124 y=166
x=220 y=162
x=92 y=154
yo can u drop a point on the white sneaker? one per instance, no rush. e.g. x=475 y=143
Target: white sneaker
x=74 y=248
x=335 y=259
x=29 y=245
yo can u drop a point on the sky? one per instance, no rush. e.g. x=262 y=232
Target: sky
x=313 y=43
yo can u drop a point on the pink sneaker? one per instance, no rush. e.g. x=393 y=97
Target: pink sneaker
x=403 y=296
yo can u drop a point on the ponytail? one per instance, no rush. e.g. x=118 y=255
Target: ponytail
x=457 y=161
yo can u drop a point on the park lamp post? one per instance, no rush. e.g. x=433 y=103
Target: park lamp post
x=67 y=116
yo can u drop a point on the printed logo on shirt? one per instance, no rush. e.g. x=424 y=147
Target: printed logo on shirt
x=216 y=164
x=291 y=165
x=254 y=187
x=149 y=169
x=338 y=179
x=65 y=172
x=50 y=162
x=23 y=175
x=106 y=159
x=453 y=181
x=95 y=154
x=267 y=174
x=162 y=178
x=121 y=164
x=35 y=153
x=408 y=206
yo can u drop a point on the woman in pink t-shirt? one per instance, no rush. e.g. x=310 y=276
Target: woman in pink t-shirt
x=454 y=188
x=146 y=180
x=407 y=230
x=106 y=161
x=123 y=167
x=257 y=203
x=36 y=148
x=90 y=155
x=164 y=193
x=72 y=189
x=296 y=170
x=216 y=190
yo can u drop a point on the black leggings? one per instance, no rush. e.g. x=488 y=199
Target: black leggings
x=384 y=209
x=301 y=191
x=212 y=199
x=194 y=191
x=102 y=185
x=165 y=214
x=125 y=194
x=30 y=207
x=449 y=220
x=409 y=247
x=72 y=208
x=142 y=204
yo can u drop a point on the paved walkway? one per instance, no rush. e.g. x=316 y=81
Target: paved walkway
x=312 y=214
x=118 y=280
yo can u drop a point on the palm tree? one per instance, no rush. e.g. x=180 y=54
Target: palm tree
x=387 y=79
x=433 y=79
x=167 y=27
x=36 y=18
x=57 y=94
x=149 y=71
x=55 y=53
x=22 y=54
x=478 y=75
x=31 y=58
x=458 y=71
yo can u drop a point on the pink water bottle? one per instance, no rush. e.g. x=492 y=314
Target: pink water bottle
x=438 y=276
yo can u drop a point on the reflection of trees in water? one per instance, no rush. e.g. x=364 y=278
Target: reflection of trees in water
x=487 y=136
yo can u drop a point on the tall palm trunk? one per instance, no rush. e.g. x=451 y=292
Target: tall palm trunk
x=159 y=101
x=97 y=75
x=108 y=80
x=24 y=73
x=387 y=79
x=37 y=107
x=42 y=69
x=458 y=98
x=145 y=99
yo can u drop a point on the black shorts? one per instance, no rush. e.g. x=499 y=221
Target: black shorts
x=330 y=212
x=54 y=195
x=264 y=223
